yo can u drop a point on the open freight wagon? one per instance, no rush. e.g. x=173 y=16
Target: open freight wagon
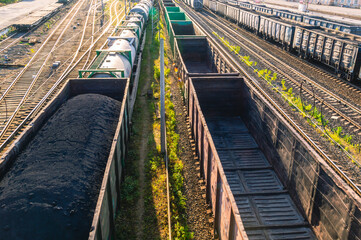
x=263 y=181
x=59 y=222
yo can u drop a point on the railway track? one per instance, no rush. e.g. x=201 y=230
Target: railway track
x=306 y=132
x=337 y=105
x=36 y=96
x=20 y=88
x=11 y=40
x=115 y=19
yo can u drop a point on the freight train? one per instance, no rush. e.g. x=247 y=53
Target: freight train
x=337 y=50
x=118 y=59
x=313 y=20
x=213 y=95
x=58 y=181
x=262 y=180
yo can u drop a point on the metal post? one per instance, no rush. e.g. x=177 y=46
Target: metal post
x=163 y=139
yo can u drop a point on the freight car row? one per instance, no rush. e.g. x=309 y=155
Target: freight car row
x=247 y=198
x=302 y=18
x=337 y=50
x=61 y=179
x=263 y=181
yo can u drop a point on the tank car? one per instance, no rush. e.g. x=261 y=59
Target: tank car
x=118 y=60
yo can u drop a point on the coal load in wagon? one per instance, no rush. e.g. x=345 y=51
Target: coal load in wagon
x=51 y=190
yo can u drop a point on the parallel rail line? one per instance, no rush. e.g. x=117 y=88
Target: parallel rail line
x=39 y=96
x=13 y=42
x=295 y=78
x=18 y=91
x=203 y=24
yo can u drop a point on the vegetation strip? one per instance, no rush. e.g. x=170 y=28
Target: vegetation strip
x=178 y=200
x=155 y=224
x=313 y=115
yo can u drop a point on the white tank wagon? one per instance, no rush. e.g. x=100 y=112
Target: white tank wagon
x=143 y=8
x=118 y=60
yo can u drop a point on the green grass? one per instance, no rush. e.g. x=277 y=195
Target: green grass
x=178 y=201
x=4 y=2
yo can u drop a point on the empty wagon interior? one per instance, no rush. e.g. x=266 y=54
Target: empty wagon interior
x=262 y=156
x=196 y=54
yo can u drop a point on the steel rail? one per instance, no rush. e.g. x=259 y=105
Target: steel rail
x=8 y=37
x=290 y=78
x=92 y=38
x=89 y=53
x=257 y=87
x=39 y=71
x=53 y=88
x=13 y=42
x=39 y=50
x=309 y=91
x=92 y=34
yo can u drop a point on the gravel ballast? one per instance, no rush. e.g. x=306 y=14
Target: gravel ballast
x=51 y=190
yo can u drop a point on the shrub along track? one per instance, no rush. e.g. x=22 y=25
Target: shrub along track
x=148 y=219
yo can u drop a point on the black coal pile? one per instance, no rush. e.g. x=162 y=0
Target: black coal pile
x=51 y=190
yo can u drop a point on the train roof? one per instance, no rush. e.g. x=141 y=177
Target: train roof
x=348 y=24
x=286 y=21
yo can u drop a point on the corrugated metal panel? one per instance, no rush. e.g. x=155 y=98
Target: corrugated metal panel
x=265 y=211
x=278 y=234
x=233 y=140
x=254 y=181
x=232 y=159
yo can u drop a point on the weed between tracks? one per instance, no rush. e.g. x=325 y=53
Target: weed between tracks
x=178 y=200
x=313 y=115
x=154 y=222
